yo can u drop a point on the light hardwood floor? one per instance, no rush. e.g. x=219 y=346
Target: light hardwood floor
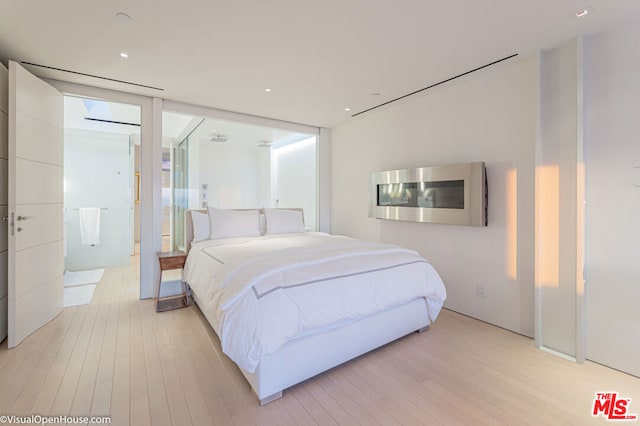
x=118 y=357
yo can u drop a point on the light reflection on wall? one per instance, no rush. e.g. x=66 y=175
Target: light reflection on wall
x=511 y=224
x=580 y=227
x=547 y=225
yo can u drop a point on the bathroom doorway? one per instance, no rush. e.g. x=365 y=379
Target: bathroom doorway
x=101 y=192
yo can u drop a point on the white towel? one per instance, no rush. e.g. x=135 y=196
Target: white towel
x=89 y=219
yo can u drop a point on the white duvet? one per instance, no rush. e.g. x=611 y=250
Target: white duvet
x=261 y=292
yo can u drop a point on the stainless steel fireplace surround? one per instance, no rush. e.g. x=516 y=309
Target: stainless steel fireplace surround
x=455 y=194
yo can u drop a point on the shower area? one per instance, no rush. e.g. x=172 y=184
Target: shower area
x=235 y=165
x=101 y=190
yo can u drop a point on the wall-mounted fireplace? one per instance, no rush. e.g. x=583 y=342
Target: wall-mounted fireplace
x=454 y=194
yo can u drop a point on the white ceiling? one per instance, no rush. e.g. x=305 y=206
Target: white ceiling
x=175 y=125
x=317 y=57
x=243 y=134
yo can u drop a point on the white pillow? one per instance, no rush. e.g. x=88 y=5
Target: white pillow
x=281 y=221
x=234 y=223
x=201 y=226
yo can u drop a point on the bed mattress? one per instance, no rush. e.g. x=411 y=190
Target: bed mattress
x=260 y=293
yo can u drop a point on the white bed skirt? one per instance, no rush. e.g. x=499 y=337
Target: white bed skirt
x=308 y=356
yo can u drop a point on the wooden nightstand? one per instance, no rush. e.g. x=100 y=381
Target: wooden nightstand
x=171 y=260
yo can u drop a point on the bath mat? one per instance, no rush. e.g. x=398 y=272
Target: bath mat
x=78 y=295
x=92 y=276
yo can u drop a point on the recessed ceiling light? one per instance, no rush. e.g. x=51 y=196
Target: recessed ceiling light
x=267 y=90
x=124 y=55
x=123 y=17
x=376 y=94
x=347 y=109
x=584 y=12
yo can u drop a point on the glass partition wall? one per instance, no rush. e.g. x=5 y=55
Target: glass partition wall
x=234 y=165
x=180 y=191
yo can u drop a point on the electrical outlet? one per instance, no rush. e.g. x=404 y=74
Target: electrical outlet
x=480 y=290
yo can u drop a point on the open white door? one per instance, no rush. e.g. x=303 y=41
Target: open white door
x=35 y=257
x=4 y=203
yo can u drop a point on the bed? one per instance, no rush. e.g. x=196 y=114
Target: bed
x=290 y=305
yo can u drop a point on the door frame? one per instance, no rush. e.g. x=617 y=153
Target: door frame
x=150 y=170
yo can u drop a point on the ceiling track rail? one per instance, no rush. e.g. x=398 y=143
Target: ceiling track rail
x=92 y=76
x=437 y=84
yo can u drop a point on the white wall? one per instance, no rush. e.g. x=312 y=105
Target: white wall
x=264 y=176
x=294 y=178
x=612 y=108
x=4 y=135
x=244 y=176
x=234 y=174
x=488 y=116
x=97 y=174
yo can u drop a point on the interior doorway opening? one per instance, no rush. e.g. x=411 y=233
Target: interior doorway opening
x=101 y=192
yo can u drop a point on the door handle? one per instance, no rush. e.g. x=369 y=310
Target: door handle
x=24 y=217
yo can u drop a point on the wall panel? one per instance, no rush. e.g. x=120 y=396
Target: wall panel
x=612 y=67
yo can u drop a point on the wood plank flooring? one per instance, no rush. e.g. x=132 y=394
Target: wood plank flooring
x=118 y=357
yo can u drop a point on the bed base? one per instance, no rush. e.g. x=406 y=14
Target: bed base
x=268 y=399
x=308 y=356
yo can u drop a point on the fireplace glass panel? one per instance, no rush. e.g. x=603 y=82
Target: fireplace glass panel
x=447 y=194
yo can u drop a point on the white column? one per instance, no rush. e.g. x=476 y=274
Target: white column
x=324 y=180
